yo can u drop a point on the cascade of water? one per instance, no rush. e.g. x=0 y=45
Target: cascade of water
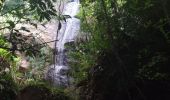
x=67 y=34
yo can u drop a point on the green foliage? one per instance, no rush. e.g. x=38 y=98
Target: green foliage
x=10 y=5
x=122 y=24
x=12 y=41
x=44 y=8
x=41 y=92
x=8 y=88
x=23 y=11
x=13 y=12
x=39 y=63
x=80 y=60
x=129 y=41
x=6 y=58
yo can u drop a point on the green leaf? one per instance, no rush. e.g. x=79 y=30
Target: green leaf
x=11 y=5
x=42 y=5
x=51 y=13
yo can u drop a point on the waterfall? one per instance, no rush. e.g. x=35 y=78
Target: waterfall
x=67 y=33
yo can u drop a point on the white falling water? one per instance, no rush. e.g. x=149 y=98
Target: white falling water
x=68 y=32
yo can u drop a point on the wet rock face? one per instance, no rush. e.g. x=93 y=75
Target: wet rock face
x=58 y=74
x=64 y=71
x=58 y=77
x=49 y=75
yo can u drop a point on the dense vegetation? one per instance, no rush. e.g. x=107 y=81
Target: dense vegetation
x=125 y=55
x=122 y=53
x=18 y=43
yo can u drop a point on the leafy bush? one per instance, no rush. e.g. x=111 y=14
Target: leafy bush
x=129 y=41
x=41 y=92
x=8 y=88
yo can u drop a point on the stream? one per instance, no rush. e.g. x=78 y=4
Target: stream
x=58 y=73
